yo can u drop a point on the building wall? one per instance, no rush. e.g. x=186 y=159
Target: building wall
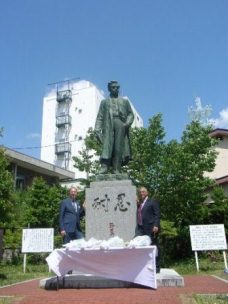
x=138 y=122
x=82 y=110
x=48 y=129
x=221 y=168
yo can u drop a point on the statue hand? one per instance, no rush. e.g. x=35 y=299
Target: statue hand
x=126 y=126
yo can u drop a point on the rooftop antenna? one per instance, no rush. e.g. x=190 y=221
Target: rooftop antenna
x=200 y=113
x=62 y=82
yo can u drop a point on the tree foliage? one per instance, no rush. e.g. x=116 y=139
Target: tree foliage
x=35 y=207
x=42 y=204
x=148 y=146
x=6 y=189
x=184 y=184
x=174 y=171
x=218 y=208
x=88 y=158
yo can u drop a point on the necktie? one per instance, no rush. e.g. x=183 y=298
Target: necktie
x=140 y=215
x=75 y=206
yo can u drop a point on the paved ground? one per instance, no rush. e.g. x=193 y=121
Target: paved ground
x=30 y=293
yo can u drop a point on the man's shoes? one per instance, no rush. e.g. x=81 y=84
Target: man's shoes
x=158 y=270
x=69 y=272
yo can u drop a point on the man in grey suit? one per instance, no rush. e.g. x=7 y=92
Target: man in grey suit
x=71 y=213
x=148 y=220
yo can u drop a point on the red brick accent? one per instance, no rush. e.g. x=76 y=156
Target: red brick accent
x=30 y=293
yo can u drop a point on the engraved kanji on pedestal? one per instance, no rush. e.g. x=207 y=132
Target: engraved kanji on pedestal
x=111 y=210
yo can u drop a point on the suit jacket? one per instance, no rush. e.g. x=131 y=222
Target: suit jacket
x=69 y=219
x=150 y=215
x=104 y=126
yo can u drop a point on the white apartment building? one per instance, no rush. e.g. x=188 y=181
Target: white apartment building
x=68 y=112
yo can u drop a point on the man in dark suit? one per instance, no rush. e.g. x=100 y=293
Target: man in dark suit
x=148 y=220
x=69 y=219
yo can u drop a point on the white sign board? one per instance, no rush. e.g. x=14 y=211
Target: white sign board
x=38 y=240
x=208 y=237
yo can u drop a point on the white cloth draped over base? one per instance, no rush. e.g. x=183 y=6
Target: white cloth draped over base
x=135 y=265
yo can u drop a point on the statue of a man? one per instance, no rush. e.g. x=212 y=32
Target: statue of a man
x=113 y=121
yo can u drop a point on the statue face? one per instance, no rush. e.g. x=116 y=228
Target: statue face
x=114 y=89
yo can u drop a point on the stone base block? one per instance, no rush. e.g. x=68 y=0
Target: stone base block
x=111 y=210
x=169 y=278
x=166 y=278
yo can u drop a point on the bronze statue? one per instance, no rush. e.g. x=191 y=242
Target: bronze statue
x=114 y=119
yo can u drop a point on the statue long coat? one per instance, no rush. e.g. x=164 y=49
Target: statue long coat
x=104 y=126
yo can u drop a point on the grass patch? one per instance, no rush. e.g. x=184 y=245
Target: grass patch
x=211 y=299
x=6 y=300
x=188 y=267
x=10 y=274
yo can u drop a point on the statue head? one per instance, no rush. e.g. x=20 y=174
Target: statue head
x=113 y=87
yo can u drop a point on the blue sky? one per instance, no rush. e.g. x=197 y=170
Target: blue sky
x=164 y=53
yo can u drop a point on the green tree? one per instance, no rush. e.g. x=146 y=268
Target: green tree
x=37 y=206
x=184 y=184
x=88 y=158
x=43 y=204
x=147 y=154
x=6 y=189
x=13 y=235
x=173 y=171
x=218 y=208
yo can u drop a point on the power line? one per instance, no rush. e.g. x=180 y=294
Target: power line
x=39 y=147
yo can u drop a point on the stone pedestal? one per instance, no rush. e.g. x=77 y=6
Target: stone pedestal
x=166 y=278
x=111 y=210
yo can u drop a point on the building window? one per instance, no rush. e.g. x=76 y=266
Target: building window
x=20 y=182
x=220 y=138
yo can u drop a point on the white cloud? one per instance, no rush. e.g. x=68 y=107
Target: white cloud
x=33 y=135
x=222 y=120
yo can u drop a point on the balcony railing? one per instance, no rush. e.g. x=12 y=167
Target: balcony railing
x=62 y=148
x=62 y=120
x=64 y=96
